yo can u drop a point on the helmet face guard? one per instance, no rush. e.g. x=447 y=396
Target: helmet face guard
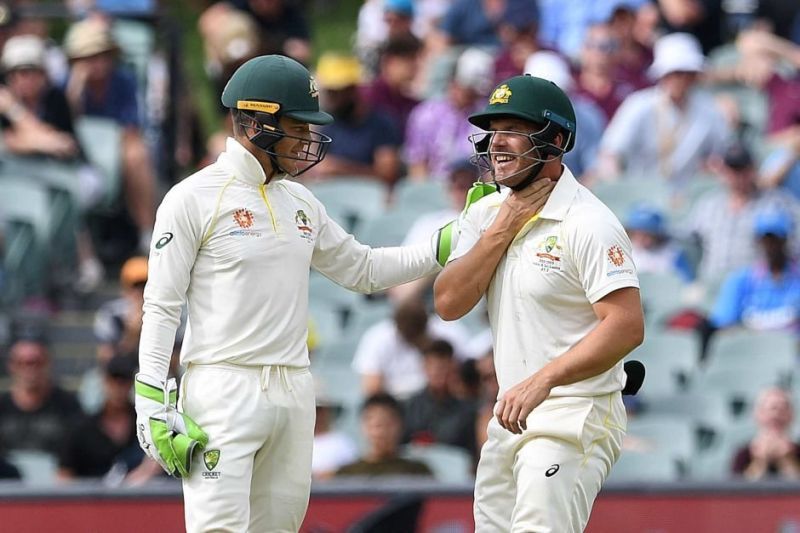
x=267 y=134
x=542 y=149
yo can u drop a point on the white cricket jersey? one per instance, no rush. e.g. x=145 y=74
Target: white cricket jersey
x=239 y=252
x=540 y=298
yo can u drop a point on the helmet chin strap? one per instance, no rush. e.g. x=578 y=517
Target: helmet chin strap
x=533 y=172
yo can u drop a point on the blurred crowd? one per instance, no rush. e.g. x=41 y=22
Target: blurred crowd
x=688 y=127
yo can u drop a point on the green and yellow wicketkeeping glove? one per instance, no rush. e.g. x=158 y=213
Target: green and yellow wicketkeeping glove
x=444 y=240
x=166 y=435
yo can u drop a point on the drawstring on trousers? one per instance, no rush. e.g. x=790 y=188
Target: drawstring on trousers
x=283 y=374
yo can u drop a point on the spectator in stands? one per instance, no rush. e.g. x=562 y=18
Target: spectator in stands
x=564 y=27
x=766 y=294
x=117 y=326
x=671 y=129
x=230 y=38
x=434 y=414
x=469 y=23
x=489 y=392
x=284 y=28
x=105 y=444
x=633 y=53
x=589 y=118
x=460 y=178
x=392 y=91
x=699 y=18
x=518 y=34
x=652 y=248
x=760 y=67
x=600 y=78
x=332 y=449
x=389 y=356
x=99 y=87
x=772 y=453
x=365 y=141
x=118 y=323
x=438 y=130
x=720 y=218
x=36 y=122
x=382 y=426
x=36 y=414
x=380 y=21
x=781 y=167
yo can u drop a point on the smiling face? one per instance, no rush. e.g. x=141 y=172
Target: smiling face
x=512 y=150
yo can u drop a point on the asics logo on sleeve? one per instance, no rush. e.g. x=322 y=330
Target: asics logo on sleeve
x=164 y=240
x=550 y=472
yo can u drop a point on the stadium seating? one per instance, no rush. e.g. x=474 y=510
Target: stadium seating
x=101 y=138
x=662 y=295
x=420 y=196
x=671 y=359
x=637 y=467
x=351 y=201
x=389 y=228
x=621 y=195
x=36 y=468
x=25 y=211
x=136 y=40
x=321 y=290
x=449 y=464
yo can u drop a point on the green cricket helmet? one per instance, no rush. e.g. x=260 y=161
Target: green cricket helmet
x=532 y=99
x=535 y=100
x=266 y=88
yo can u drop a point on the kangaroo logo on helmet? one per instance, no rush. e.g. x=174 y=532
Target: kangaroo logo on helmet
x=500 y=95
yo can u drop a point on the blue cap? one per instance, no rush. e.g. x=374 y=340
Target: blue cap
x=645 y=218
x=405 y=7
x=778 y=223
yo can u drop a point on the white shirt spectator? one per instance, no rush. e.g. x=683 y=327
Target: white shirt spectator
x=332 y=450
x=651 y=136
x=383 y=351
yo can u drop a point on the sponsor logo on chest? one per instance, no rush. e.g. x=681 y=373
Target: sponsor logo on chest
x=244 y=219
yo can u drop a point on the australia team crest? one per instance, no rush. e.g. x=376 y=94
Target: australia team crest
x=304 y=225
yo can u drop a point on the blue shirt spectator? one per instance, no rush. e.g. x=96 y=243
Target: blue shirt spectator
x=357 y=140
x=653 y=249
x=467 y=23
x=119 y=102
x=765 y=295
x=563 y=23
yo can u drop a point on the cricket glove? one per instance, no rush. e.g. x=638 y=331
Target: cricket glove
x=166 y=435
x=444 y=240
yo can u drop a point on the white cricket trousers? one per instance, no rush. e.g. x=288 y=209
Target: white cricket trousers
x=546 y=479
x=255 y=473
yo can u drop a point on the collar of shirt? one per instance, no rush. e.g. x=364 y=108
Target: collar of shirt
x=242 y=164
x=562 y=196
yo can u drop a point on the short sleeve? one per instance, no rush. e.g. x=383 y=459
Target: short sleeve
x=469 y=231
x=601 y=253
